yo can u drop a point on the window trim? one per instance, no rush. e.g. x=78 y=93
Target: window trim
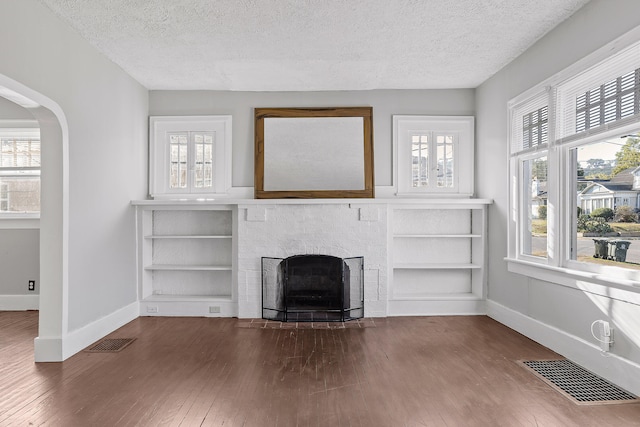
x=523 y=213
x=159 y=126
x=559 y=267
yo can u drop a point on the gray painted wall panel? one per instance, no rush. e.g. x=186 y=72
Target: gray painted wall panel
x=19 y=261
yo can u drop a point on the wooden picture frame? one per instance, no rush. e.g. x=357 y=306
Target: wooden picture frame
x=314 y=153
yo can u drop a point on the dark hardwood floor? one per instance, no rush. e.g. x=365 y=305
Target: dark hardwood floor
x=408 y=371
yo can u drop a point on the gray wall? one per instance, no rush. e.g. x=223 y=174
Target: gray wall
x=569 y=310
x=12 y=111
x=385 y=103
x=106 y=113
x=19 y=261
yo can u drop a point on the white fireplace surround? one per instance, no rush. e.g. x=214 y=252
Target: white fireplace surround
x=216 y=270
x=339 y=229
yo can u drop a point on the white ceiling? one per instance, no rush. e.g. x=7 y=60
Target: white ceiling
x=280 y=45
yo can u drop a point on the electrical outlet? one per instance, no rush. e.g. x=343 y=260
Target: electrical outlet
x=605 y=335
x=152 y=309
x=32 y=285
x=214 y=309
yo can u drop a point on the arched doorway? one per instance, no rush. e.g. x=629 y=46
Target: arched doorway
x=54 y=217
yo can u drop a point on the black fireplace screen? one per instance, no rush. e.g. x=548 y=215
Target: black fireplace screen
x=307 y=288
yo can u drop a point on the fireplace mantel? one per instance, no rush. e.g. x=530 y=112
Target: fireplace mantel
x=202 y=257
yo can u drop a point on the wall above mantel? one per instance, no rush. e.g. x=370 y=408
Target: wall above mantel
x=385 y=103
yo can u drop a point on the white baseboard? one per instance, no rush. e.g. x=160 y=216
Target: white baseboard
x=620 y=371
x=57 y=349
x=201 y=307
x=436 y=307
x=19 y=302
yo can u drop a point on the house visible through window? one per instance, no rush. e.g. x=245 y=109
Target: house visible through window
x=19 y=171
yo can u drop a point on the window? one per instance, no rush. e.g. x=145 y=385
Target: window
x=19 y=172
x=534 y=179
x=423 y=174
x=530 y=163
x=434 y=154
x=4 y=197
x=190 y=156
x=575 y=170
x=191 y=151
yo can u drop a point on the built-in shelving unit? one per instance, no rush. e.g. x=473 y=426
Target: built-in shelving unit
x=202 y=258
x=437 y=258
x=186 y=254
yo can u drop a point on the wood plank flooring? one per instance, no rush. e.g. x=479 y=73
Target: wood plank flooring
x=407 y=371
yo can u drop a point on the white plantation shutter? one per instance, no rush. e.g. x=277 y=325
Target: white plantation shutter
x=601 y=98
x=530 y=123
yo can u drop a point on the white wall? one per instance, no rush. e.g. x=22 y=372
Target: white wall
x=385 y=103
x=106 y=115
x=12 y=111
x=528 y=304
x=19 y=263
x=19 y=260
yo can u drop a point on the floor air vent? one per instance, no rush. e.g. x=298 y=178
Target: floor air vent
x=110 y=345
x=578 y=384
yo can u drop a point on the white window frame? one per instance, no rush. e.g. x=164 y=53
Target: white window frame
x=22 y=128
x=558 y=92
x=160 y=127
x=461 y=127
x=523 y=212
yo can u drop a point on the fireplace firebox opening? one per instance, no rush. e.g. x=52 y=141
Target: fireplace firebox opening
x=308 y=288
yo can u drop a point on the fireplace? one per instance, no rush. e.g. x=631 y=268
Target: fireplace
x=308 y=288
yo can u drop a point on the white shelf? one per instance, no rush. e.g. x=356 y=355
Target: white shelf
x=187 y=298
x=438 y=297
x=428 y=266
x=436 y=236
x=437 y=259
x=186 y=257
x=182 y=267
x=184 y=236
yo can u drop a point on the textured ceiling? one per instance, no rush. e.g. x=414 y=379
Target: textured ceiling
x=268 y=45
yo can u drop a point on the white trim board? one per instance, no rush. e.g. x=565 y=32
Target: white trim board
x=435 y=307
x=620 y=371
x=57 y=349
x=19 y=302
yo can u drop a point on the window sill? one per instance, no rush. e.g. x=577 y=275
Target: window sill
x=19 y=222
x=433 y=194
x=623 y=289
